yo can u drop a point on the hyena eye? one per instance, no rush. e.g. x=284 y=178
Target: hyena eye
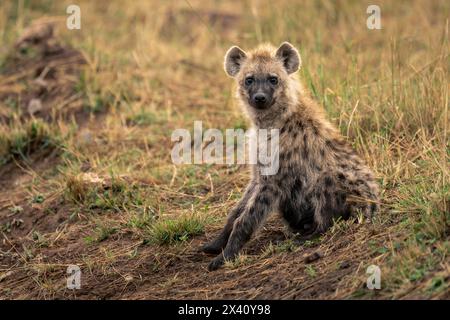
x=273 y=80
x=249 y=81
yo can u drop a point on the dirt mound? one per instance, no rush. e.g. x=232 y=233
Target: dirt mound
x=37 y=81
x=40 y=76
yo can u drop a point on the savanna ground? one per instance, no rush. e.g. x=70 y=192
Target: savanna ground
x=86 y=176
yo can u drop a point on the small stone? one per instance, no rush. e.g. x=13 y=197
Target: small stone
x=86 y=137
x=92 y=178
x=313 y=257
x=129 y=278
x=40 y=82
x=35 y=105
x=344 y=265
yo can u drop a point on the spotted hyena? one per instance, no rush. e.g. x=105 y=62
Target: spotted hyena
x=320 y=177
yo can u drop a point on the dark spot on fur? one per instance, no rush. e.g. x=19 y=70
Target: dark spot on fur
x=263 y=200
x=305 y=139
x=305 y=152
x=287 y=155
x=340 y=197
x=328 y=181
x=297 y=186
x=315 y=130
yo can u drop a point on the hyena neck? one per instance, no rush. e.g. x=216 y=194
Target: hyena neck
x=272 y=118
x=313 y=118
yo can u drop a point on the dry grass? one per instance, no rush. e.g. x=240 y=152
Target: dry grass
x=108 y=185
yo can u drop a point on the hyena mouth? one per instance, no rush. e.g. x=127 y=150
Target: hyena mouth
x=261 y=105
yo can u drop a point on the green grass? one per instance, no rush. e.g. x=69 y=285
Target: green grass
x=144 y=118
x=10 y=225
x=142 y=220
x=238 y=262
x=20 y=140
x=175 y=231
x=285 y=246
x=437 y=284
x=310 y=271
x=107 y=193
x=101 y=232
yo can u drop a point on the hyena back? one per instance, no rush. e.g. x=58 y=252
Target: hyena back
x=320 y=177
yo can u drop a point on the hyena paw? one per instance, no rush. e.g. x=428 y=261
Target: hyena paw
x=216 y=263
x=212 y=247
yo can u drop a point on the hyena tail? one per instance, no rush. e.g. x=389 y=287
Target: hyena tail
x=367 y=205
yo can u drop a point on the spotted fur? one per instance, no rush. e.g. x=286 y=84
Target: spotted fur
x=320 y=177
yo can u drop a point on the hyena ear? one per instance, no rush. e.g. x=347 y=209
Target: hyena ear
x=234 y=58
x=289 y=56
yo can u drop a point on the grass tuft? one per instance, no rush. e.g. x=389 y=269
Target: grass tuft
x=175 y=231
x=19 y=141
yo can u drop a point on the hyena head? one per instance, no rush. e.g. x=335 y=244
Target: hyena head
x=264 y=74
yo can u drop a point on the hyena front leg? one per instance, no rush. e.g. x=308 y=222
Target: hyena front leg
x=263 y=201
x=216 y=246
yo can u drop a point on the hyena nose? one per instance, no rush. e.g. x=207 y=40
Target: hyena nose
x=260 y=98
